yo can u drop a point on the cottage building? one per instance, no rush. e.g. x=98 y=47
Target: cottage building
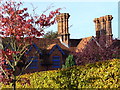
x=50 y=54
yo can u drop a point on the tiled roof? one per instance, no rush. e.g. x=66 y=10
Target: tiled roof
x=116 y=43
x=54 y=47
x=34 y=46
x=50 y=46
x=74 y=42
x=44 y=43
x=83 y=43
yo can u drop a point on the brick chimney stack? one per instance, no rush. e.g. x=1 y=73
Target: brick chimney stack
x=104 y=30
x=63 y=30
x=97 y=28
x=109 y=39
x=102 y=26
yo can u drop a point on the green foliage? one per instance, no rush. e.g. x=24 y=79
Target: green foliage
x=51 y=35
x=69 y=62
x=97 y=75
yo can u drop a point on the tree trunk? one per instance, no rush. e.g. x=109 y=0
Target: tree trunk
x=14 y=83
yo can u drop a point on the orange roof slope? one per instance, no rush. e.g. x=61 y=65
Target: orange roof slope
x=83 y=43
x=51 y=46
x=44 y=43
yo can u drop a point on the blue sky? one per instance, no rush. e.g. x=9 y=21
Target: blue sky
x=82 y=15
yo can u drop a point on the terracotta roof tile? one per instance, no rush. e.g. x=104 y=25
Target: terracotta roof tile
x=50 y=46
x=44 y=43
x=116 y=43
x=83 y=43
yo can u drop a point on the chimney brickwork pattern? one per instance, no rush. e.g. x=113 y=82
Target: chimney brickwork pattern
x=103 y=29
x=63 y=30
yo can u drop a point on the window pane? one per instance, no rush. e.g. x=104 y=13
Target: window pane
x=56 y=62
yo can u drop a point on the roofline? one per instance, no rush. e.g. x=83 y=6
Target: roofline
x=58 y=49
x=36 y=47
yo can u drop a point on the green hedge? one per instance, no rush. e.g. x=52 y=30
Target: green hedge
x=97 y=75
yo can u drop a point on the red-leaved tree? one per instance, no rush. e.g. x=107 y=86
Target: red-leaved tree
x=18 y=29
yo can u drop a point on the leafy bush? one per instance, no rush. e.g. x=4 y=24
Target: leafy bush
x=96 y=75
x=69 y=62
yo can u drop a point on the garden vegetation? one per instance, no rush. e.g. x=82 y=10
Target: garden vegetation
x=105 y=74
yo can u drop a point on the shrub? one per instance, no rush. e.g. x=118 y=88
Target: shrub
x=69 y=62
x=96 y=75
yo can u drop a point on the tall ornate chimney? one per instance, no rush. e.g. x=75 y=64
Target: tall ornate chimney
x=102 y=26
x=104 y=30
x=97 y=28
x=63 y=30
x=109 y=39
